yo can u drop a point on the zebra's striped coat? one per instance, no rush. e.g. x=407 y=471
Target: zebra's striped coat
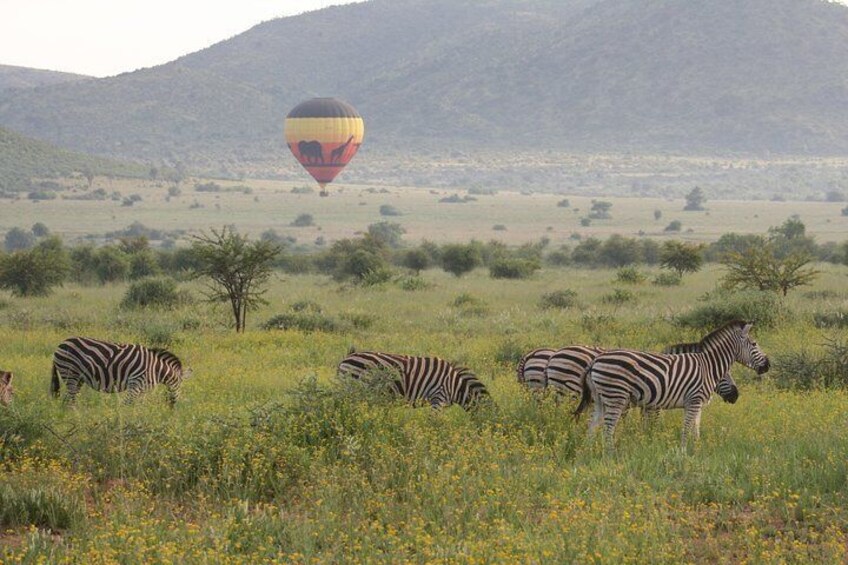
x=619 y=378
x=115 y=367
x=430 y=379
x=531 y=369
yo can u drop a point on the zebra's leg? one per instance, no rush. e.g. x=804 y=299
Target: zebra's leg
x=613 y=411
x=597 y=416
x=72 y=387
x=691 y=421
x=135 y=388
x=650 y=416
x=173 y=394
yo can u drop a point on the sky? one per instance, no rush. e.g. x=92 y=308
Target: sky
x=108 y=37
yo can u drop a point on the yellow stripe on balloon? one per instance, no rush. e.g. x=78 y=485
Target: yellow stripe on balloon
x=324 y=130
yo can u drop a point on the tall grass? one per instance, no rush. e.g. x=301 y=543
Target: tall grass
x=268 y=457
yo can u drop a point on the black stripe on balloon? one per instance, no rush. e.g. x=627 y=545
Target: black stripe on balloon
x=324 y=108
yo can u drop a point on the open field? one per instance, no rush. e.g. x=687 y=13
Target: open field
x=351 y=208
x=244 y=471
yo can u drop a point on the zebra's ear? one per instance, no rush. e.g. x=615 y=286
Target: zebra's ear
x=6 y=377
x=746 y=329
x=352 y=350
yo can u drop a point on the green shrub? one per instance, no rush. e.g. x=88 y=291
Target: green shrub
x=508 y=268
x=669 y=278
x=805 y=370
x=413 y=283
x=39 y=505
x=619 y=296
x=630 y=275
x=154 y=293
x=763 y=308
x=559 y=299
x=831 y=319
x=303 y=321
x=358 y=320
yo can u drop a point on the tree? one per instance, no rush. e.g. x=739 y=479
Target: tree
x=303 y=221
x=387 y=233
x=416 y=260
x=36 y=271
x=695 y=200
x=762 y=268
x=459 y=259
x=600 y=210
x=681 y=257
x=238 y=270
x=657 y=214
x=18 y=239
x=111 y=264
x=40 y=230
x=674 y=225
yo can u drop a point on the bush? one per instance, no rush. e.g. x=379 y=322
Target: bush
x=804 y=370
x=306 y=321
x=499 y=227
x=564 y=203
x=508 y=268
x=630 y=275
x=35 y=272
x=832 y=319
x=388 y=210
x=667 y=279
x=619 y=296
x=763 y=308
x=154 y=293
x=303 y=221
x=674 y=226
x=43 y=506
x=558 y=299
x=413 y=283
x=470 y=305
x=459 y=259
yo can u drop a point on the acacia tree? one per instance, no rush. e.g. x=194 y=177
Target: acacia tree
x=695 y=200
x=237 y=267
x=681 y=257
x=762 y=268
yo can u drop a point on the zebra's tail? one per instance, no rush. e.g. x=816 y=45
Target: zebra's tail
x=585 y=394
x=54 y=382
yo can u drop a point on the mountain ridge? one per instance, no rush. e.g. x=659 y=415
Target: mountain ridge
x=585 y=75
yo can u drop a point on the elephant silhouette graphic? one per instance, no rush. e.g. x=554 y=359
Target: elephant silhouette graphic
x=339 y=151
x=311 y=152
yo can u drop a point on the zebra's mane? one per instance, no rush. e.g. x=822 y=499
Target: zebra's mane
x=678 y=348
x=715 y=334
x=167 y=357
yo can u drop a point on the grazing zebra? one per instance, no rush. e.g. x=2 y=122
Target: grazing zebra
x=115 y=367
x=622 y=377
x=566 y=367
x=6 y=388
x=531 y=369
x=431 y=379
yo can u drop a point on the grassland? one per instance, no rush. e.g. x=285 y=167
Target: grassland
x=350 y=208
x=266 y=458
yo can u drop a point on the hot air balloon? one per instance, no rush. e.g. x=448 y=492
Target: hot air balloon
x=324 y=134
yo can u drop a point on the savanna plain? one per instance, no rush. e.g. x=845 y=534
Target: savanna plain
x=268 y=457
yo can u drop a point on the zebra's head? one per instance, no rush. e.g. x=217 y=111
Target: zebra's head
x=727 y=389
x=469 y=392
x=6 y=388
x=750 y=353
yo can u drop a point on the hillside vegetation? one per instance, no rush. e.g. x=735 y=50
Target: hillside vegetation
x=25 y=77
x=23 y=159
x=761 y=76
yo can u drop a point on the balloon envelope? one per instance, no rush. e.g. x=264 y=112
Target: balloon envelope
x=324 y=134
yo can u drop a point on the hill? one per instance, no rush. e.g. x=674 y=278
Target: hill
x=596 y=75
x=25 y=77
x=23 y=159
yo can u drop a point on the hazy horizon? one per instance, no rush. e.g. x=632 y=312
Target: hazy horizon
x=103 y=38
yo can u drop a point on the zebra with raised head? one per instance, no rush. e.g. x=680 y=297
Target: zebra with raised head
x=115 y=367
x=531 y=369
x=430 y=379
x=616 y=379
x=6 y=388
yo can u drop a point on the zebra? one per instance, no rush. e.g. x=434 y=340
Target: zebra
x=115 y=367
x=6 y=390
x=622 y=377
x=531 y=369
x=430 y=379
